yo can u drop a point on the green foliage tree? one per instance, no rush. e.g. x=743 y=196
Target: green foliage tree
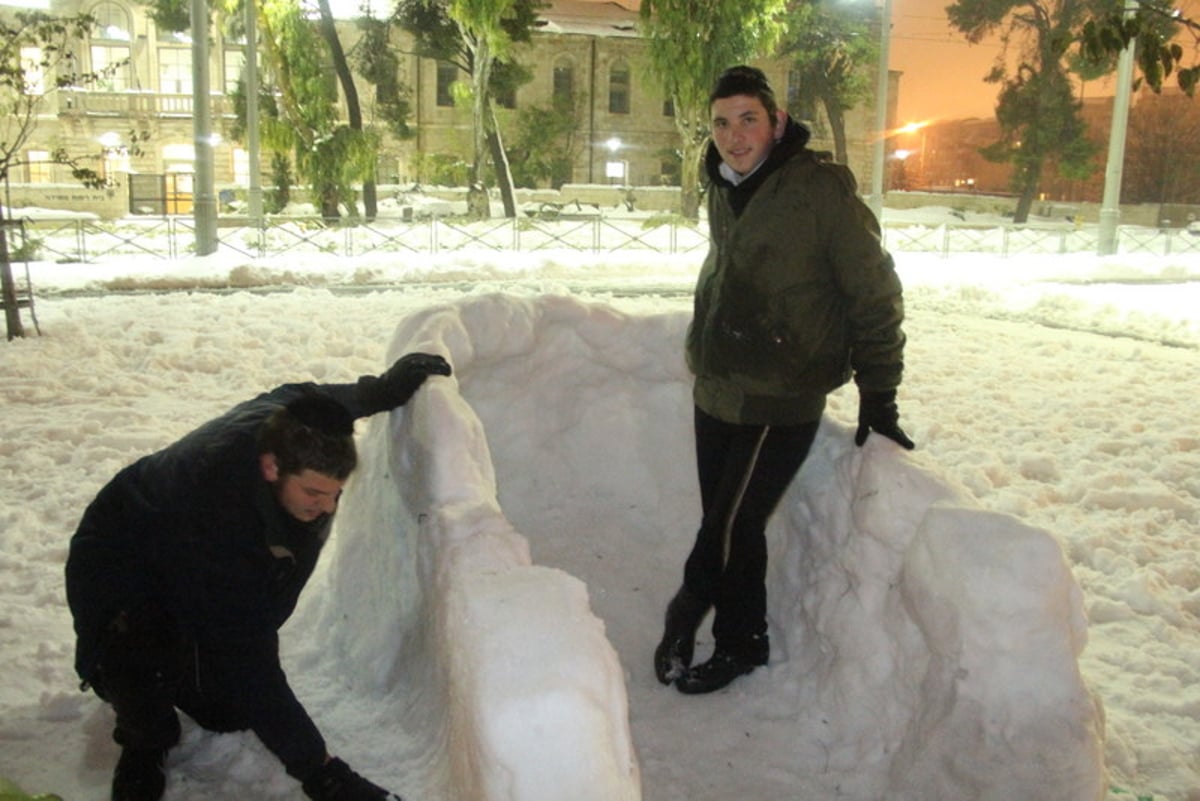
x=546 y=144
x=375 y=56
x=478 y=36
x=36 y=60
x=830 y=46
x=1036 y=108
x=358 y=139
x=302 y=57
x=1158 y=29
x=1039 y=124
x=689 y=44
x=330 y=155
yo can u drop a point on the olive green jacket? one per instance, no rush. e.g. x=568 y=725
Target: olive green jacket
x=796 y=295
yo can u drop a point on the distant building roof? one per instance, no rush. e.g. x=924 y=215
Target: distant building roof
x=590 y=17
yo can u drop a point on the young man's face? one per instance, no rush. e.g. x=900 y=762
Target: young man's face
x=306 y=495
x=743 y=131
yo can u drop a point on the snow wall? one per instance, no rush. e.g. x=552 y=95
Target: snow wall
x=930 y=647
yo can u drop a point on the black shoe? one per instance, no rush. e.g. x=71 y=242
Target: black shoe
x=714 y=674
x=140 y=775
x=673 y=656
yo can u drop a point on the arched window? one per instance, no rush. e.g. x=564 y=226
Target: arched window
x=109 y=47
x=112 y=23
x=618 y=88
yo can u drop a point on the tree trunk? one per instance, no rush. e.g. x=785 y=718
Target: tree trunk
x=353 y=107
x=837 y=124
x=8 y=287
x=1025 y=201
x=479 y=207
x=689 y=179
x=500 y=163
x=477 y=199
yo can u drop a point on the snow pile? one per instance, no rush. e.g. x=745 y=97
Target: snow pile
x=923 y=649
x=934 y=640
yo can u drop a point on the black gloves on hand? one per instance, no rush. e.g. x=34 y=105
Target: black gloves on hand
x=877 y=412
x=334 y=781
x=396 y=386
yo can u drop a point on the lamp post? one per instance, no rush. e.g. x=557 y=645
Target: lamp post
x=881 y=107
x=204 y=199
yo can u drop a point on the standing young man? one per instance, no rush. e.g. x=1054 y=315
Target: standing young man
x=796 y=296
x=189 y=560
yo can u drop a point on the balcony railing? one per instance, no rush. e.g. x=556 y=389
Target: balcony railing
x=134 y=104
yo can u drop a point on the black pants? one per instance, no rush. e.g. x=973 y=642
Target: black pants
x=743 y=471
x=148 y=669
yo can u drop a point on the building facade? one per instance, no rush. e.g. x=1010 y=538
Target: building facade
x=136 y=121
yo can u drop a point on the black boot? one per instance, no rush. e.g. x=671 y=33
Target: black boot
x=714 y=674
x=140 y=775
x=673 y=656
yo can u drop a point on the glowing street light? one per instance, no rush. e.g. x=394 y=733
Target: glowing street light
x=614 y=168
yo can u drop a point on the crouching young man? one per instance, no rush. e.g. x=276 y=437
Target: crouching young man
x=189 y=560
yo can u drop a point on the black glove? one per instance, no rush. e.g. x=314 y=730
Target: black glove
x=877 y=412
x=396 y=386
x=334 y=781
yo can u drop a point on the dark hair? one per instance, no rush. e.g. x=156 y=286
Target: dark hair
x=744 y=80
x=313 y=432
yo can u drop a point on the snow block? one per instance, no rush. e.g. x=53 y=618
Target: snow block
x=941 y=638
x=532 y=692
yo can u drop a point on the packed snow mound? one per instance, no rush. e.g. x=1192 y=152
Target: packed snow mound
x=923 y=650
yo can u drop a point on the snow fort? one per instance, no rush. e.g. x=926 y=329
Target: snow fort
x=518 y=529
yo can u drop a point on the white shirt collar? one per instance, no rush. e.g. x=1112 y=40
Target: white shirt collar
x=733 y=176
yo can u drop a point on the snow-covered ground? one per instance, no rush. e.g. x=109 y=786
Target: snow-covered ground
x=1046 y=394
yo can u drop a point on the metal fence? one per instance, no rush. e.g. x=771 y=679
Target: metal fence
x=75 y=240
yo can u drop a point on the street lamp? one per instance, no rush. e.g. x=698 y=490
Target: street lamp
x=910 y=129
x=614 y=168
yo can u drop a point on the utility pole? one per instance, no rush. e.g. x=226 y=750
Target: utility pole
x=204 y=200
x=254 y=196
x=881 y=107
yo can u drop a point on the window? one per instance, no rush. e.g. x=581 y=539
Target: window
x=40 y=167
x=506 y=98
x=35 y=76
x=174 y=71
x=110 y=48
x=241 y=167
x=235 y=62
x=111 y=65
x=618 y=89
x=116 y=160
x=564 y=82
x=447 y=74
x=112 y=23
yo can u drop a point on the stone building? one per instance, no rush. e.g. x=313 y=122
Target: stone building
x=592 y=50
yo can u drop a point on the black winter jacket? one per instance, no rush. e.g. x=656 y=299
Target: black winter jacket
x=196 y=528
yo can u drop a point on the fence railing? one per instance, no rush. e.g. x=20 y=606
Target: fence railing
x=76 y=240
